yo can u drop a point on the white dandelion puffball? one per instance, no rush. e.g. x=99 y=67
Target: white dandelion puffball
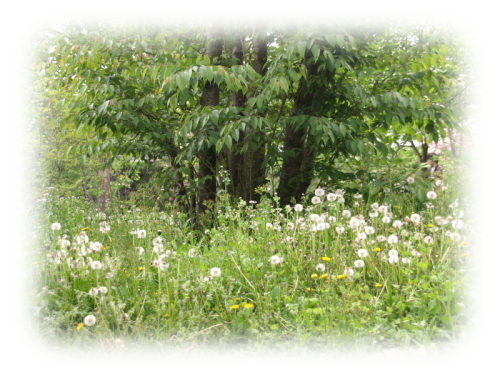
x=191 y=253
x=415 y=218
x=386 y=220
x=362 y=236
x=319 y=192
x=362 y=253
x=374 y=206
x=320 y=226
x=381 y=238
x=89 y=320
x=94 y=292
x=298 y=208
x=349 y=272
x=104 y=227
x=354 y=223
x=320 y=267
x=157 y=241
x=215 y=272
x=392 y=239
x=387 y=190
x=346 y=214
x=96 y=265
x=141 y=233
x=140 y=250
x=359 y=263
x=393 y=253
x=410 y=180
x=314 y=217
x=455 y=237
x=373 y=214
x=316 y=200
x=383 y=209
x=428 y=239
x=274 y=260
x=357 y=196
x=332 y=219
x=369 y=230
x=55 y=226
x=269 y=225
x=103 y=290
x=331 y=197
x=95 y=246
x=394 y=259
x=341 y=200
x=457 y=224
x=405 y=260
x=290 y=226
x=397 y=224
x=340 y=229
x=404 y=232
x=431 y=195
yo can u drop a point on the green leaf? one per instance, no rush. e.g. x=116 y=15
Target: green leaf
x=228 y=141
x=301 y=47
x=293 y=75
x=315 y=51
x=214 y=117
x=340 y=40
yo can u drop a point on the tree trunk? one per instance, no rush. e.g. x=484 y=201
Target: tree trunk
x=235 y=158
x=208 y=158
x=254 y=172
x=297 y=170
x=105 y=176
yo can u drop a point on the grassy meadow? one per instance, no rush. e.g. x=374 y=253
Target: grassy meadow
x=351 y=266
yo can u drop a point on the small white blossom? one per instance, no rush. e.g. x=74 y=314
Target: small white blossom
x=319 y=192
x=359 y=263
x=369 y=230
x=428 y=239
x=89 y=320
x=298 y=208
x=55 y=226
x=362 y=253
x=96 y=265
x=320 y=267
x=410 y=180
x=331 y=197
x=346 y=214
x=141 y=233
x=340 y=229
x=431 y=195
x=397 y=224
x=103 y=290
x=316 y=200
x=215 y=272
x=386 y=220
x=94 y=292
x=392 y=239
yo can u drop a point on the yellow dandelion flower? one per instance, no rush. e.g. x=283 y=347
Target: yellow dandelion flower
x=309 y=289
x=377 y=249
x=248 y=305
x=430 y=225
x=326 y=259
x=234 y=307
x=323 y=276
x=105 y=247
x=86 y=228
x=238 y=299
x=141 y=268
x=340 y=277
x=396 y=206
x=79 y=326
x=314 y=275
x=378 y=285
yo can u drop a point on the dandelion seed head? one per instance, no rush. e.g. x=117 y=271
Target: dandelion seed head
x=319 y=192
x=320 y=267
x=55 y=226
x=359 y=263
x=316 y=200
x=298 y=208
x=89 y=320
x=215 y=272
x=431 y=195
x=331 y=197
x=362 y=253
x=96 y=265
x=346 y=214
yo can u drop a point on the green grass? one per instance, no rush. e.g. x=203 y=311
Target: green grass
x=255 y=302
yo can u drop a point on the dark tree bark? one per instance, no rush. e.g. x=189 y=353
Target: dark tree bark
x=254 y=173
x=105 y=176
x=235 y=158
x=297 y=169
x=207 y=158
